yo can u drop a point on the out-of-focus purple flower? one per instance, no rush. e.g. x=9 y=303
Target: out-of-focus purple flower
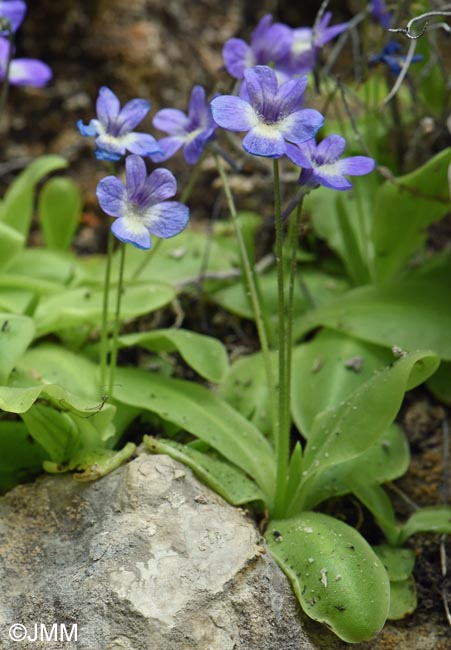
x=305 y=45
x=140 y=207
x=23 y=72
x=269 y=43
x=13 y=11
x=192 y=131
x=114 y=126
x=272 y=115
x=321 y=164
x=392 y=59
x=380 y=13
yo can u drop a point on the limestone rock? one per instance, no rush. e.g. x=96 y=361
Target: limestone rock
x=146 y=558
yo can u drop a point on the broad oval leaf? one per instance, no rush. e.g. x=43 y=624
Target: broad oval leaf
x=347 y=430
x=83 y=306
x=196 y=410
x=16 y=334
x=11 y=242
x=403 y=210
x=410 y=313
x=326 y=370
x=431 y=519
x=59 y=209
x=222 y=477
x=403 y=599
x=398 y=562
x=204 y=354
x=16 y=209
x=336 y=576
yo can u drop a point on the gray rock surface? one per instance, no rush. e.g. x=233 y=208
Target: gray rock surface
x=146 y=558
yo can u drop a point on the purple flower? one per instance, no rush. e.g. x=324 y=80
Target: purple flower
x=306 y=43
x=192 y=131
x=271 y=114
x=140 y=207
x=14 y=11
x=321 y=164
x=269 y=42
x=23 y=72
x=114 y=126
x=379 y=12
x=392 y=59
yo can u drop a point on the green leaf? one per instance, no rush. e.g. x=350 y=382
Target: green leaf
x=336 y=576
x=440 y=383
x=245 y=388
x=346 y=431
x=375 y=499
x=11 y=242
x=321 y=286
x=403 y=599
x=407 y=313
x=53 y=364
x=20 y=455
x=432 y=519
x=342 y=219
x=326 y=370
x=198 y=411
x=387 y=459
x=222 y=477
x=43 y=268
x=83 y=306
x=204 y=354
x=59 y=209
x=16 y=334
x=179 y=261
x=404 y=209
x=398 y=562
x=17 y=207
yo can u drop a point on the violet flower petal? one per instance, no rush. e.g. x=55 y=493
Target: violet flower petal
x=197 y=104
x=331 y=148
x=233 y=113
x=166 y=219
x=107 y=107
x=132 y=231
x=327 y=178
x=301 y=125
x=131 y=115
x=237 y=57
x=194 y=148
x=261 y=83
x=29 y=72
x=161 y=185
x=264 y=140
x=300 y=154
x=90 y=129
x=142 y=144
x=290 y=95
x=356 y=165
x=171 y=121
x=110 y=194
x=135 y=175
x=168 y=147
x=14 y=11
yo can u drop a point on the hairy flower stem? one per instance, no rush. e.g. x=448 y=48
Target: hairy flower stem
x=117 y=321
x=282 y=431
x=253 y=293
x=5 y=84
x=293 y=231
x=104 y=327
